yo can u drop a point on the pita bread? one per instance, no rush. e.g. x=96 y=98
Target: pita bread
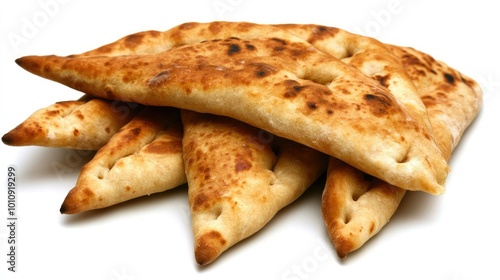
x=85 y=124
x=356 y=206
x=322 y=102
x=236 y=182
x=142 y=158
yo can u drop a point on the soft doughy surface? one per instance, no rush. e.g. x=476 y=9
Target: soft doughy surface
x=323 y=103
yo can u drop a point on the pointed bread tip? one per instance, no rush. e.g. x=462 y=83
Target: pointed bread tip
x=39 y=64
x=76 y=201
x=68 y=207
x=7 y=139
x=63 y=209
x=30 y=63
x=208 y=247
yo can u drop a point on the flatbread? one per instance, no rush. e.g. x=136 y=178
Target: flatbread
x=239 y=177
x=452 y=99
x=356 y=206
x=87 y=124
x=142 y=158
x=284 y=86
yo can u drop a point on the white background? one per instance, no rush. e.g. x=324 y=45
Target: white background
x=450 y=237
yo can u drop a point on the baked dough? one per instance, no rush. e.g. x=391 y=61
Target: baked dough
x=282 y=85
x=239 y=177
x=142 y=158
x=85 y=124
x=355 y=205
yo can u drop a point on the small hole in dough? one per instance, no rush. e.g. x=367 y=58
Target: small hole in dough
x=347 y=218
x=405 y=158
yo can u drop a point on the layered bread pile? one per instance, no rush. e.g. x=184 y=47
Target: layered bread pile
x=250 y=116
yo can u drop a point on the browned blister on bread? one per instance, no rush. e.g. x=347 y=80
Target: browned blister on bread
x=142 y=158
x=239 y=177
x=323 y=103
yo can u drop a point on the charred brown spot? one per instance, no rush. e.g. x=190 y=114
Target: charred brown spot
x=372 y=227
x=262 y=70
x=76 y=132
x=109 y=92
x=131 y=134
x=208 y=247
x=279 y=48
x=136 y=131
x=383 y=80
x=449 y=78
x=132 y=41
x=79 y=115
x=428 y=100
x=432 y=100
x=321 y=32
x=379 y=104
x=414 y=65
x=52 y=113
x=88 y=192
x=233 y=49
x=292 y=88
x=280 y=41
x=215 y=235
x=250 y=47
x=241 y=164
x=312 y=105
x=201 y=201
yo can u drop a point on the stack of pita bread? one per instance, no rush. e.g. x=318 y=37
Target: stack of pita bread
x=250 y=116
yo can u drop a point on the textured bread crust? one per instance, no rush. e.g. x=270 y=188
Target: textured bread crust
x=142 y=158
x=322 y=103
x=356 y=206
x=85 y=124
x=239 y=177
x=451 y=98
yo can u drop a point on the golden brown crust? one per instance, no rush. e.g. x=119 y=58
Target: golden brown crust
x=149 y=145
x=355 y=205
x=354 y=208
x=86 y=124
x=236 y=182
x=452 y=99
x=317 y=107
